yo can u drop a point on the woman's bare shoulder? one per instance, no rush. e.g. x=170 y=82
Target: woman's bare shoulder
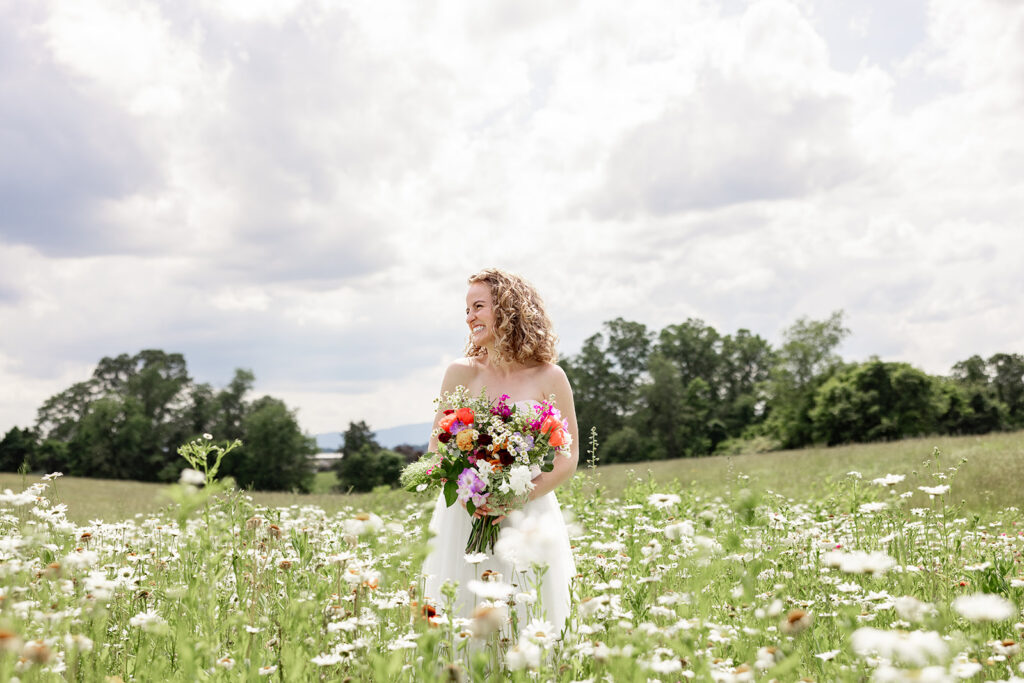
x=553 y=377
x=460 y=371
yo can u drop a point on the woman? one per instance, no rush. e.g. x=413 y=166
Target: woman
x=511 y=351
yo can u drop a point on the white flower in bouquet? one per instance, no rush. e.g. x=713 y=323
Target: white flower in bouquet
x=484 y=469
x=519 y=481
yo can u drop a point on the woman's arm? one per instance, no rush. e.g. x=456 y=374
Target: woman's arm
x=457 y=373
x=564 y=467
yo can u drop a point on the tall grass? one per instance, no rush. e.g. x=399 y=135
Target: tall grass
x=838 y=579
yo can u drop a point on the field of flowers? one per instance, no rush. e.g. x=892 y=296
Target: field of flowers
x=849 y=583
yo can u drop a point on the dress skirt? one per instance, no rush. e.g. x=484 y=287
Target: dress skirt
x=537 y=535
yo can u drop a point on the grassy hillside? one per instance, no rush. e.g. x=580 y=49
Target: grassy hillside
x=989 y=480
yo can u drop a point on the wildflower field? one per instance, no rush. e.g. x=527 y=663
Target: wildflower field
x=878 y=578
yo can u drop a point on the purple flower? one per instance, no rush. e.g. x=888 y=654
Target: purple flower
x=471 y=487
x=456 y=427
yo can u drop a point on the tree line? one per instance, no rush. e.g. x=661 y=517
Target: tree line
x=128 y=419
x=689 y=390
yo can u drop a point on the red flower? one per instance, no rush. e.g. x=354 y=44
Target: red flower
x=444 y=437
x=446 y=422
x=465 y=415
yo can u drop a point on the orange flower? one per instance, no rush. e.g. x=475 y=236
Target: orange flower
x=465 y=415
x=549 y=423
x=446 y=422
x=557 y=439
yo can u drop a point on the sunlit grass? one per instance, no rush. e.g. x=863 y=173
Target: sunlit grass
x=837 y=579
x=990 y=482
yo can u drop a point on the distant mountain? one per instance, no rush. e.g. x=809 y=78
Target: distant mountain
x=413 y=434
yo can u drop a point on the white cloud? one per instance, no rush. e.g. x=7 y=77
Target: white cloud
x=301 y=188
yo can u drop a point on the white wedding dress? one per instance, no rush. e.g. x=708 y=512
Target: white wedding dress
x=540 y=525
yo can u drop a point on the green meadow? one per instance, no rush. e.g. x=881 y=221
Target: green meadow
x=886 y=562
x=989 y=480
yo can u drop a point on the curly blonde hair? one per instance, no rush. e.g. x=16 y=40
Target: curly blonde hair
x=523 y=330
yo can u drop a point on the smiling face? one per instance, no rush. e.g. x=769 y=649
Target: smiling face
x=480 y=314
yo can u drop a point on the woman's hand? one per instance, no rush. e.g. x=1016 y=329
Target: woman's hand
x=485 y=510
x=501 y=513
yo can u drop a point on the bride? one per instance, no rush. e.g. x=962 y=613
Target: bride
x=511 y=351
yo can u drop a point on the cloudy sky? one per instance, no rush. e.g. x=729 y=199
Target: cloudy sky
x=300 y=187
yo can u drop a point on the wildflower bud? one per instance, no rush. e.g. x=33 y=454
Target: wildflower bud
x=36 y=651
x=795 y=622
x=9 y=641
x=453 y=673
x=487 y=620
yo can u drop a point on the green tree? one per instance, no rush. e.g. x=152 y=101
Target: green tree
x=723 y=378
x=367 y=467
x=694 y=348
x=112 y=442
x=967 y=409
x=357 y=437
x=744 y=370
x=231 y=406
x=629 y=445
x=129 y=418
x=806 y=359
x=1007 y=373
x=275 y=454
x=130 y=402
x=59 y=416
x=971 y=372
x=875 y=401
x=606 y=375
x=18 y=446
x=52 y=456
x=677 y=417
x=972 y=404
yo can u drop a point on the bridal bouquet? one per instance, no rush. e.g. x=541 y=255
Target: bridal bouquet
x=488 y=454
